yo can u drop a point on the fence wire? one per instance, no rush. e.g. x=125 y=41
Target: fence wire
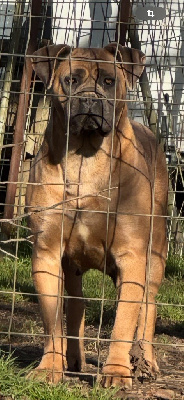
x=157 y=101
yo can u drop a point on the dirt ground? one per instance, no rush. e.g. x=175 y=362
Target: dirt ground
x=169 y=340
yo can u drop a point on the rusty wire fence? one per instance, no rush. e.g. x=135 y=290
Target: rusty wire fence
x=157 y=102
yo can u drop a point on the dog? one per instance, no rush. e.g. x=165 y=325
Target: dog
x=100 y=203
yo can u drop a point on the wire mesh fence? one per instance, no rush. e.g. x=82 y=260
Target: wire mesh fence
x=84 y=197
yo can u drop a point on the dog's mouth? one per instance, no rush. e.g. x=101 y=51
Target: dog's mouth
x=89 y=124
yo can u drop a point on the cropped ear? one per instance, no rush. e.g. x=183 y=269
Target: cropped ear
x=44 y=61
x=132 y=60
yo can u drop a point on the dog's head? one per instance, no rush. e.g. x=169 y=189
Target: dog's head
x=89 y=84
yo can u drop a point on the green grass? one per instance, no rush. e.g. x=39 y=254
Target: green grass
x=23 y=281
x=93 y=288
x=172 y=290
x=175 y=266
x=14 y=384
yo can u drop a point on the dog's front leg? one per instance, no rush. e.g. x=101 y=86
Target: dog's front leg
x=75 y=318
x=48 y=281
x=130 y=282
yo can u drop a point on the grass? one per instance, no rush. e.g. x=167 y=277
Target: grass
x=175 y=266
x=172 y=290
x=92 y=288
x=14 y=385
x=23 y=277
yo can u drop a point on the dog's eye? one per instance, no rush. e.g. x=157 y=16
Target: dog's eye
x=70 y=80
x=109 y=81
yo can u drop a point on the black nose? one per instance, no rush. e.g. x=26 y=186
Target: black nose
x=89 y=99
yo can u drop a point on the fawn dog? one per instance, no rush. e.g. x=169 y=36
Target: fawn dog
x=100 y=203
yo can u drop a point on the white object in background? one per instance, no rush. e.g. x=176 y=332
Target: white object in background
x=83 y=23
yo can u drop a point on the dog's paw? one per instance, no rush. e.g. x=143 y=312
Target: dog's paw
x=116 y=375
x=50 y=369
x=76 y=363
x=75 y=356
x=45 y=375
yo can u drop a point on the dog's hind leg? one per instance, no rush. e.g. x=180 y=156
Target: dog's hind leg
x=48 y=281
x=75 y=318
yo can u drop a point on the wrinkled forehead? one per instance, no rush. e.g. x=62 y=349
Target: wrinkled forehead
x=93 y=54
x=92 y=60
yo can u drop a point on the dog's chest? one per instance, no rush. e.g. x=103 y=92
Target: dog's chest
x=86 y=242
x=87 y=183
x=86 y=215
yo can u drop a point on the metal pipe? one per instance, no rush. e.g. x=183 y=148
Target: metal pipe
x=35 y=19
